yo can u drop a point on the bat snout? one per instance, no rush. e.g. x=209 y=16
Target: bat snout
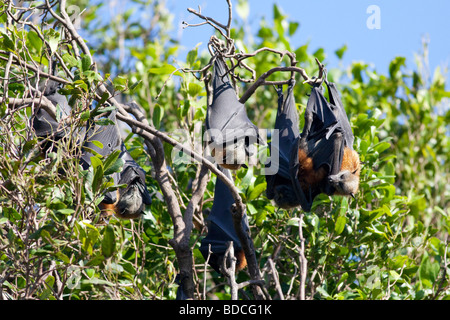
x=344 y=183
x=130 y=204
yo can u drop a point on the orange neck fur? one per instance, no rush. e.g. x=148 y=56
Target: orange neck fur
x=310 y=177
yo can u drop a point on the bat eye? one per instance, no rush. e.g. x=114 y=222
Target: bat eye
x=354 y=172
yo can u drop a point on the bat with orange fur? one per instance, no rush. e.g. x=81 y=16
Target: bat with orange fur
x=221 y=229
x=231 y=132
x=280 y=188
x=128 y=202
x=321 y=158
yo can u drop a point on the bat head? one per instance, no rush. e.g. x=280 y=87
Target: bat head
x=345 y=183
x=230 y=156
x=285 y=197
x=130 y=204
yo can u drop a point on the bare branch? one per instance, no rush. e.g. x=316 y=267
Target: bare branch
x=262 y=80
x=230 y=271
x=42 y=101
x=303 y=260
x=17 y=62
x=215 y=24
x=275 y=278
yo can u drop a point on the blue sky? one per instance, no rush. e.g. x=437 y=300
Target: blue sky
x=331 y=24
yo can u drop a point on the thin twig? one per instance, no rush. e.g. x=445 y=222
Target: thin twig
x=230 y=271
x=275 y=278
x=303 y=260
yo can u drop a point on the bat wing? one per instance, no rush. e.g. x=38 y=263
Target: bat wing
x=324 y=137
x=323 y=132
x=305 y=198
x=132 y=173
x=279 y=185
x=109 y=137
x=287 y=124
x=220 y=226
x=226 y=118
x=335 y=99
x=43 y=124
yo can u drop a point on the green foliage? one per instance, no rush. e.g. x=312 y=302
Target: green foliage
x=389 y=243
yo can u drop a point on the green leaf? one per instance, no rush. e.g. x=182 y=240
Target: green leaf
x=66 y=211
x=389 y=170
x=104 y=122
x=194 y=89
x=165 y=70
x=34 y=40
x=61 y=256
x=192 y=56
x=12 y=214
x=120 y=83
x=70 y=61
x=340 y=52
x=114 y=167
x=7 y=42
x=158 y=113
x=293 y=26
x=97 y=167
x=428 y=271
x=105 y=96
x=108 y=242
x=134 y=85
x=395 y=65
x=45 y=235
x=340 y=224
x=86 y=63
x=293 y=222
x=243 y=9
x=102 y=109
x=185 y=108
x=382 y=146
x=257 y=190
x=97 y=143
x=110 y=162
x=53 y=43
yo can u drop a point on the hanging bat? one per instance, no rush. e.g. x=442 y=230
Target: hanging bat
x=279 y=185
x=128 y=202
x=45 y=125
x=221 y=229
x=323 y=159
x=231 y=132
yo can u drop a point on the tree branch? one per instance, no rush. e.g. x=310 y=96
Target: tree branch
x=303 y=260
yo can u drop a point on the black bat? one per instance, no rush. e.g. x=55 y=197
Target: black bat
x=43 y=124
x=279 y=185
x=323 y=160
x=128 y=202
x=231 y=131
x=221 y=229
